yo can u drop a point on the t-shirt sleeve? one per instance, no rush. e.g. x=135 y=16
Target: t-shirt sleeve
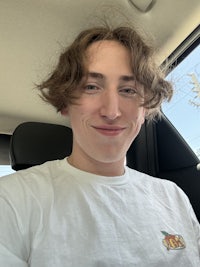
x=13 y=252
x=192 y=215
x=196 y=227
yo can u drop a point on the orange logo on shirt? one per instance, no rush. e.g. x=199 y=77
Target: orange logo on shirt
x=173 y=242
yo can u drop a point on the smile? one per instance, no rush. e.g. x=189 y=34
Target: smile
x=109 y=130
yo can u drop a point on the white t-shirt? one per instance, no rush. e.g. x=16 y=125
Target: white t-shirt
x=55 y=215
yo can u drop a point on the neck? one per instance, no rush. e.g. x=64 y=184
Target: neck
x=97 y=167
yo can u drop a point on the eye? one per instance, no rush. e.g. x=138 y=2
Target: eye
x=91 y=88
x=128 y=91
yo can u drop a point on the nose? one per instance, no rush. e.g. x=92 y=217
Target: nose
x=110 y=108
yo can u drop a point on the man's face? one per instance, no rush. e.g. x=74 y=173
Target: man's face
x=108 y=115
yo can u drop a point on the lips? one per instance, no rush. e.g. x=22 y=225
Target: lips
x=109 y=130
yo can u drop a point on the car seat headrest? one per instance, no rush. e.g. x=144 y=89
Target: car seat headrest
x=34 y=143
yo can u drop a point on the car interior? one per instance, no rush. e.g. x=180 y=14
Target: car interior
x=33 y=35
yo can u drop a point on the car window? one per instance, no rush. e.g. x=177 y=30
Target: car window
x=184 y=109
x=5 y=169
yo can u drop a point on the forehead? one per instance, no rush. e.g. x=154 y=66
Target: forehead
x=104 y=48
x=108 y=55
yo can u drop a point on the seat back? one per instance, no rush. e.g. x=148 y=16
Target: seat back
x=34 y=143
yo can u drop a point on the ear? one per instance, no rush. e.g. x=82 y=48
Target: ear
x=64 y=111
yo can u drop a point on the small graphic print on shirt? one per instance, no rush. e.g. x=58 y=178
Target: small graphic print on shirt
x=173 y=242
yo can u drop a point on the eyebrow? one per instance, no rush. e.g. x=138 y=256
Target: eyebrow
x=100 y=76
x=96 y=75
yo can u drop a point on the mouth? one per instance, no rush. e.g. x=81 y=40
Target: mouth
x=109 y=130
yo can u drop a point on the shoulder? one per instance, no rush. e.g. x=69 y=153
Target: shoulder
x=30 y=193
x=31 y=181
x=157 y=187
x=148 y=180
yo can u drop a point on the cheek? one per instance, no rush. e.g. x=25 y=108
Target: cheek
x=137 y=115
x=78 y=115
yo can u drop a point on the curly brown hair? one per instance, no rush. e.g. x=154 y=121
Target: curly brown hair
x=59 y=89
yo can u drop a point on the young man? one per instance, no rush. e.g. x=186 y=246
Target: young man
x=89 y=209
